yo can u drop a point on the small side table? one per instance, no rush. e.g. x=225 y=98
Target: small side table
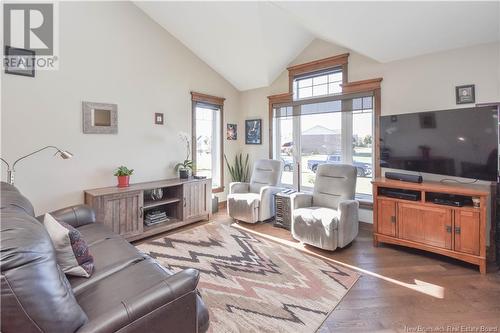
x=283 y=209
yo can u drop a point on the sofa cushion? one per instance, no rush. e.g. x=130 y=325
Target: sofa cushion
x=317 y=216
x=33 y=285
x=316 y=226
x=244 y=206
x=110 y=255
x=125 y=283
x=72 y=251
x=96 y=232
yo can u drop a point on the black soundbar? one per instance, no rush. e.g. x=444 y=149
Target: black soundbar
x=403 y=177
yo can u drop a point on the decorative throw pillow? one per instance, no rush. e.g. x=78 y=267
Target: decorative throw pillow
x=72 y=252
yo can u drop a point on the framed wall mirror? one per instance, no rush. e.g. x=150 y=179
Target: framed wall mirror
x=100 y=118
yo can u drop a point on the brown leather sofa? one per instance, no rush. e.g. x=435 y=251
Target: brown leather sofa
x=128 y=291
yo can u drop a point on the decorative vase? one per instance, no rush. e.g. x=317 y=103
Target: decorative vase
x=123 y=181
x=184 y=173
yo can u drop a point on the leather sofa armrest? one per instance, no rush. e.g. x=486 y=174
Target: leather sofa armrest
x=75 y=216
x=169 y=291
x=348 y=226
x=239 y=187
x=301 y=200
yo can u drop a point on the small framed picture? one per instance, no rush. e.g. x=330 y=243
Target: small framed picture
x=253 y=132
x=159 y=118
x=465 y=94
x=19 y=61
x=232 y=132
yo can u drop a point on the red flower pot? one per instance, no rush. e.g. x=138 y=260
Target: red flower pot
x=123 y=181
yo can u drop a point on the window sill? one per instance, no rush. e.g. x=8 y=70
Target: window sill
x=218 y=189
x=365 y=201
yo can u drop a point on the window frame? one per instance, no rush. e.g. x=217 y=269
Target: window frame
x=369 y=85
x=216 y=102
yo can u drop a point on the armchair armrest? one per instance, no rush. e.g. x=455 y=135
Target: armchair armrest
x=266 y=209
x=178 y=290
x=301 y=200
x=75 y=216
x=239 y=187
x=348 y=221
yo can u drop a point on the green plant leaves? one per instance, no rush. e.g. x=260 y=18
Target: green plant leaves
x=123 y=171
x=240 y=170
x=187 y=164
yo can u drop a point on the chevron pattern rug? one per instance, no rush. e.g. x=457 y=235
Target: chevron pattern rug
x=251 y=284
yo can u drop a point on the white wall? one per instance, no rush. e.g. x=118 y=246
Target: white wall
x=109 y=52
x=422 y=83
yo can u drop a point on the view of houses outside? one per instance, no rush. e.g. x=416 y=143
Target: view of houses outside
x=321 y=142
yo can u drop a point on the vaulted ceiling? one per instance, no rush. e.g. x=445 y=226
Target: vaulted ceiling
x=251 y=43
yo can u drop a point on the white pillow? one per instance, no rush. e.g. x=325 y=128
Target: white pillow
x=72 y=252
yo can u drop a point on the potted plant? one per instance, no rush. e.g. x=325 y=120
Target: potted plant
x=123 y=174
x=185 y=168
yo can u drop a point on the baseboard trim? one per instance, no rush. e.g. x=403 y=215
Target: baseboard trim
x=366 y=226
x=222 y=204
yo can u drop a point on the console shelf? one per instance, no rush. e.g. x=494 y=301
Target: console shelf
x=419 y=222
x=151 y=204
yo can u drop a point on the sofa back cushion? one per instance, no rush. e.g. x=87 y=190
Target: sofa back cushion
x=36 y=295
x=265 y=172
x=10 y=197
x=334 y=182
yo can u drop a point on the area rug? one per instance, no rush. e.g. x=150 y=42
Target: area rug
x=251 y=284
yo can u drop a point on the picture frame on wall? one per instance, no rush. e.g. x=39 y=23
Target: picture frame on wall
x=158 y=118
x=100 y=118
x=465 y=94
x=19 y=61
x=253 y=131
x=232 y=132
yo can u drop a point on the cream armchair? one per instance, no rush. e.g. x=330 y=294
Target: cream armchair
x=327 y=218
x=253 y=202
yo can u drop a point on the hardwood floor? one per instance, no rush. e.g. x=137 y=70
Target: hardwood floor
x=401 y=290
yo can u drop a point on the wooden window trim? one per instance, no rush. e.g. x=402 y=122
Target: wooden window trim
x=209 y=99
x=273 y=100
x=340 y=60
x=361 y=86
x=219 y=102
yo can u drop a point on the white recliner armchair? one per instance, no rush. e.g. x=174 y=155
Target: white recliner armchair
x=327 y=218
x=253 y=202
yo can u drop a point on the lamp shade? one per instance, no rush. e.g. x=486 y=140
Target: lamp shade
x=66 y=154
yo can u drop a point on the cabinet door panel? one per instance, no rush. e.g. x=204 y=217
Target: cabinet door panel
x=427 y=225
x=386 y=219
x=467 y=232
x=122 y=213
x=195 y=199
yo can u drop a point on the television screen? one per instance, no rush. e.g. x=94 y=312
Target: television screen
x=461 y=142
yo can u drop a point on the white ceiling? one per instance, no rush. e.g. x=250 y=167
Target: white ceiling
x=251 y=43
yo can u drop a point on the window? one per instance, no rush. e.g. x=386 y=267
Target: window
x=333 y=130
x=320 y=84
x=207 y=138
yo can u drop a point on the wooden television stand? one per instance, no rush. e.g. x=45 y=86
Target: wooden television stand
x=457 y=232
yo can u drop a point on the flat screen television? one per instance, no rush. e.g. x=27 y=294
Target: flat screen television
x=459 y=142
